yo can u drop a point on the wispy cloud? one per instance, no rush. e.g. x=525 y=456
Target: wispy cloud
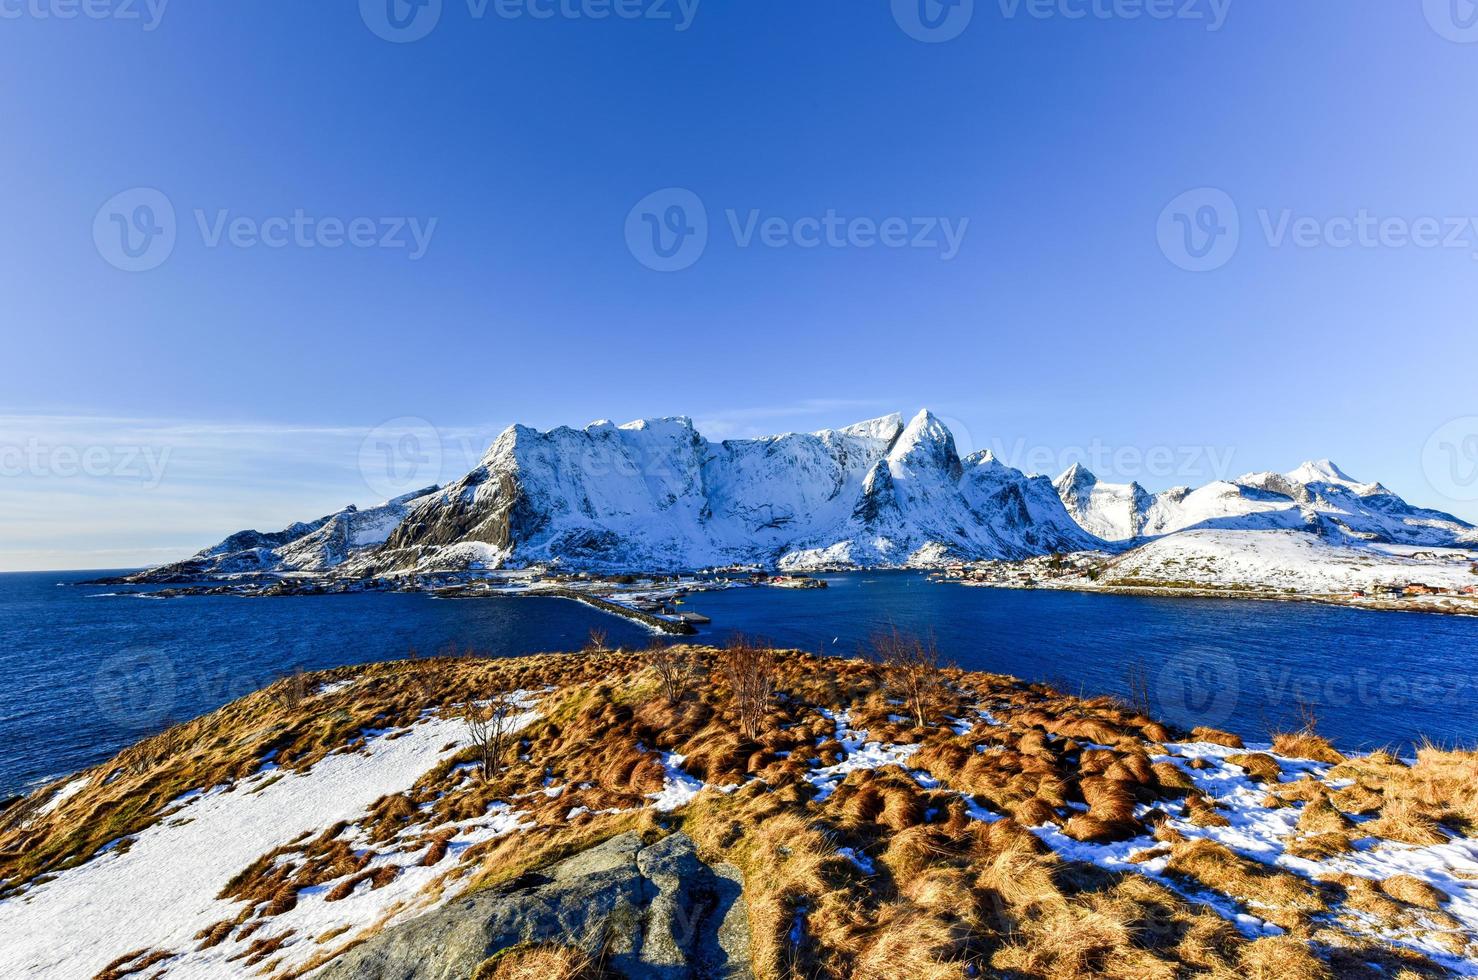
x=76 y=490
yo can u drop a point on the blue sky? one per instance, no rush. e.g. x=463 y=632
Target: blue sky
x=1031 y=171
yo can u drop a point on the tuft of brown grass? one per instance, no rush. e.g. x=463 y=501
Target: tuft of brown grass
x=1258 y=765
x=1306 y=745
x=1413 y=891
x=1216 y=737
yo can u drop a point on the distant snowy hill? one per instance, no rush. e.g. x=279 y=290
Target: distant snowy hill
x=315 y=546
x=1317 y=497
x=657 y=495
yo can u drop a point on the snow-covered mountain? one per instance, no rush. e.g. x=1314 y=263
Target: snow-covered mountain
x=1316 y=496
x=314 y=546
x=657 y=495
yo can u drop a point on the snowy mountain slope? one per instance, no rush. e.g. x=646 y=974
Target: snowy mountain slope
x=1281 y=560
x=1024 y=512
x=1112 y=511
x=1317 y=496
x=315 y=546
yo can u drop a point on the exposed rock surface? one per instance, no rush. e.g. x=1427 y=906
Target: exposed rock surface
x=657 y=912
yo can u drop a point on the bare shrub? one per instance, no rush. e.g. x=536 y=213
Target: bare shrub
x=749 y=668
x=597 y=641
x=911 y=669
x=291 y=691
x=674 y=666
x=491 y=728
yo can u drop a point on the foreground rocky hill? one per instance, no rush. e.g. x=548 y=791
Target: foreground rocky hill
x=693 y=812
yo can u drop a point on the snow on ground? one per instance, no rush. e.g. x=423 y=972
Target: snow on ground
x=1262 y=834
x=678 y=788
x=161 y=891
x=861 y=754
x=63 y=795
x=1293 y=560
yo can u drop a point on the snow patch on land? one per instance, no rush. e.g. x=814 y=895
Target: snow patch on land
x=161 y=891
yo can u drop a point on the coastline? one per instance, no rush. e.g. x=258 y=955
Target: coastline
x=1458 y=606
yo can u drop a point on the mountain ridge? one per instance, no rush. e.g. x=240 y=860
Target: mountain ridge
x=656 y=495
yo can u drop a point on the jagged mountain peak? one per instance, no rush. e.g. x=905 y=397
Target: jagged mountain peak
x=926 y=441
x=1076 y=475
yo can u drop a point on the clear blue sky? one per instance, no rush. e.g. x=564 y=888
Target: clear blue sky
x=1059 y=322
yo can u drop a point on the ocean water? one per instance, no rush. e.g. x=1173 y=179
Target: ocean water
x=84 y=673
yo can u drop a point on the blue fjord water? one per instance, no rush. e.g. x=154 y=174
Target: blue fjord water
x=84 y=674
